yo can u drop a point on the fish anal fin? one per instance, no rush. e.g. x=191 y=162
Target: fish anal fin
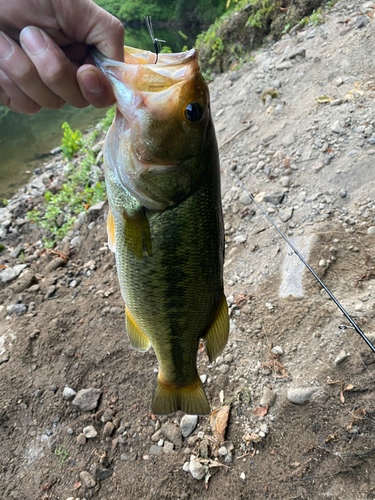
x=111 y=232
x=137 y=338
x=137 y=233
x=217 y=335
x=169 y=398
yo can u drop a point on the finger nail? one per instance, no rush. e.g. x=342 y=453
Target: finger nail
x=33 y=40
x=5 y=47
x=91 y=81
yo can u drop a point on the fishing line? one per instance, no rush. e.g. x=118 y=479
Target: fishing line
x=346 y=314
x=155 y=41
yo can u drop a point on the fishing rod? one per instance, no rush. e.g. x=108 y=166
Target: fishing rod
x=156 y=41
x=345 y=313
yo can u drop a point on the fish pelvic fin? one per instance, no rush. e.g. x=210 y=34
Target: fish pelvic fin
x=217 y=335
x=137 y=233
x=111 y=231
x=138 y=340
x=169 y=398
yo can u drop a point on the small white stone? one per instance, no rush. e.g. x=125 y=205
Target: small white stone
x=203 y=378
x=160 y=442
x=277 y=350
x=186 y=467
x=90 y=432
x=243 y=476
x=322 y=263
x=371 y=230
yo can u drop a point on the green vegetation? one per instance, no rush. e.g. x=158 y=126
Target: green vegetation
x=60 y=210
x=177 y=10
x=62 y=452
x=2 y=248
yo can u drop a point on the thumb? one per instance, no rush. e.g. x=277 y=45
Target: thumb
x=86 y=22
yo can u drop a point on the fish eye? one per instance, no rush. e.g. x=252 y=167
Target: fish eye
x=194 y=112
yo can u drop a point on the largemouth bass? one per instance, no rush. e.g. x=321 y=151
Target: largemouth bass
x=165 y=223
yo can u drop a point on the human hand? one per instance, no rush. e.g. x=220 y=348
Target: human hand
x=44 y=54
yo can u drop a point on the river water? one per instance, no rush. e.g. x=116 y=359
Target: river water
x=26 y=140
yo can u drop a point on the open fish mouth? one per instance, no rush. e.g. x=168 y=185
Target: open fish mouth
x=171 y=66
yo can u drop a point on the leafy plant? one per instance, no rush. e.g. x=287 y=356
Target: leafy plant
x=262 y=10
x=2 y=248
x=71 y=141
x=82 y=188
x=62 y=452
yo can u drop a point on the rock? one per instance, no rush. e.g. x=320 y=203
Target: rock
x=87 y=480
x=81 y=439
x=301 y=395
x=19 y=309
x=161 y=442
x=228 y=358
x=188 y=424
x=241 y=238
x=27 y=280
x=108 y=429
x=203 y=378
x=243 y=476
x=155 y=449
x=192 y=441
x=50 y=291
x=361 y=21
x=286 y=214
x=285 y=181
x=224 y=369
x=53 y=265
x=97 y=208
x=223 y=451
x=87 y=399
x=268 y=397
x=284 y=65
x=337 y=128
x=75 y=241
x=107 y=415
x=156 y=436
x=338 y=81
x=172 y=433
x=264 y=428
x=300 y=51
x=168 y=447
x=90 y=432
x=245 y=199
x=101 y=472
x=11 y=272
x=277 y=350
x=371 y=230
x=343 y=193
x=275 y=198
x=68 y=394
x=318 y=165
x=196 y=468
x=186 y=467
x=342 y=356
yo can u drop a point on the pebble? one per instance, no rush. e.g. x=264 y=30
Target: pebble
x=241 y=238
x=268 y=397
x=371 y=230
x=68 y=394
x=50 y=291
x=342 y=356
x=188 y=424
x=285 y=181
x=228 y=358
x=318 y=165
x=223 y=451
x=53 y=265
x=186 y=467
x=107 y=415
x=18 y=309
x=301 y=395
x=203 y=378
x=168 y=447
x=196 y=469
x=87 y=480
x=161 y=442
x=245 y=199
x=81 y=439
x=172 y=433
x=108 y=429
x=275 y=198
x=224 y=369
x=286 y=214
x=101 y=472
x=192 y=441
x=343 y=193
x=277 y=350
x=87 y=399
x=337 y=128
x=11 y=272
x=75 y=241
x=90 y=432
x=155 y=449
x=243 y=476
x=322 y=263
x=264 y=428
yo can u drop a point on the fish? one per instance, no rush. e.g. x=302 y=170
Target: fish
x=165 y=220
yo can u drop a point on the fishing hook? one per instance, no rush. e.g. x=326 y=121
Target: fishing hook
x=155 y=41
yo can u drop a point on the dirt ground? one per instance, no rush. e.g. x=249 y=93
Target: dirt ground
x=72 y=333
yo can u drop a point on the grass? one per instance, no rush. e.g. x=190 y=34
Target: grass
x=82 y=188
x=62 y=452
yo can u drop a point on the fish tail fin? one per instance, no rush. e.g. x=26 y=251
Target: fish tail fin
x=217 y=336
x=169 y=398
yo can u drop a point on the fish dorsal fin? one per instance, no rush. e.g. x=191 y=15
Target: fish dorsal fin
x=137 y=233
x=111 y=231
x=169 y=398
x=137 y=338
x=217 y=335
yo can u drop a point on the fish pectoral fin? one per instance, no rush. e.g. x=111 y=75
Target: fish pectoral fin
x=217 y=336
x=137 y=233
x=138 y=340
x=111 y=231
x=169 y=398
